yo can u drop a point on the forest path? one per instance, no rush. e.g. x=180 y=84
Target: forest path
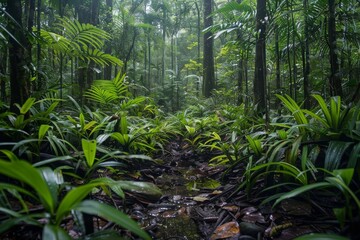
x=195 y=205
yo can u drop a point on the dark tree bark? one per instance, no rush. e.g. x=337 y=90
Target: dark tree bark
x=260 y=58
x=18 y=56
x=335 y=78
x=109 y=20
x=208 y=64
x=3 y=72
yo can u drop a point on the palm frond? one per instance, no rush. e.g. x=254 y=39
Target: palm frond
x=83 y=34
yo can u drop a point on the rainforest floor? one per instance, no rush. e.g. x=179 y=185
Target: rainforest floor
x=200 y=201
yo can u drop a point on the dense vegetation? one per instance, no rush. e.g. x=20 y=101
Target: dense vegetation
x=93 y=92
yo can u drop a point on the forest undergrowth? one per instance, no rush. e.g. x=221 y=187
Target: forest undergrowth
x=212 y=171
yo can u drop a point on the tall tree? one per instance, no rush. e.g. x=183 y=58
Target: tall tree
x=335 y=77
x=260 y=57
x=108 y=20
x=208 y=62
x=306 y=56
x=19 y=57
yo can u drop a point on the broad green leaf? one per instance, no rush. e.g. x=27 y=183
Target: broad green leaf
x=324 y=109
x=25 y=172
x=301 y=190
x=51 y=232
x=123 y=139
x=89 y=125
x=89 y=149
x=340 y=184
x=51 y=160
x=19 y=122
x=114 y=185
x=146 y=189
x=73 y=197
x=111 y=214
x=42 y=131
x=345 y=175
x=294 y=150
x=10 y=155
x=53 y=181
x=27 y=105
x=82 y=120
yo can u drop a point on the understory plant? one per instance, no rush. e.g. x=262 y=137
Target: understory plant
x=58 y=200
x=313 y=156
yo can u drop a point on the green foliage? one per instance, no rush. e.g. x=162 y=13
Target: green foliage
x=46 y=185
x=79 y=40
x=106 y=92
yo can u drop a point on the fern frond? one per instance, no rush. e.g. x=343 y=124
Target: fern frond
x=100 y=95
x=83 y=34
x=105 y=91
x=101 y=58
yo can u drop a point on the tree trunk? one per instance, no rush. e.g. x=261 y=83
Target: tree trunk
x=335 y=78
x=208 y=64
x=163 y=48
x=3 y=72
x=18 y=56
x=306 y=58
x=109 y=20
x=288 y=51
x=278 y=70
x=40 y=84
x=260 y=57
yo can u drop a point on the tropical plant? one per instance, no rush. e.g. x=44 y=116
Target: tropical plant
x=46 y=187
x=79 y=40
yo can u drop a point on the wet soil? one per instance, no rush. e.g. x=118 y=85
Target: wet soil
x=199 y=202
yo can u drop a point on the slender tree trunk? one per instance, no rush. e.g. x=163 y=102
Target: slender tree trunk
x=288 y=50
x=149 y=60
x=260 y=58
x=18 y=55
x=294 y=52
x=109 y=20
x=94 y=20
x=278 y=70
x=3 y=72
x=306 y=58
x=40 y=84
x=335 y=78
x=208 y=65
x=198 y=45
x=163 y=48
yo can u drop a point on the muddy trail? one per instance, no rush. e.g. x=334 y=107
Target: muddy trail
x=199 y=202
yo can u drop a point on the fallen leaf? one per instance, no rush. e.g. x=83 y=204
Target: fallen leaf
x=230 y=229
x=200 y=199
